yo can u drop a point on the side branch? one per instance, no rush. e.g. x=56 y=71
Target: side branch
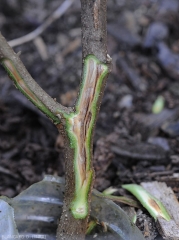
x=26 y=84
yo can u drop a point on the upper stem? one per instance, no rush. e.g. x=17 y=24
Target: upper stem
x=94 y=33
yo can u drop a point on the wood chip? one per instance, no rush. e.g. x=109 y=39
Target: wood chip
x=138 y=150
x=41 y=47
x=168 y=229
x=71 y=47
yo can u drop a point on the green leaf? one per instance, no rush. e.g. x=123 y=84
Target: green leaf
x=158 y=105
x=109 y=191
x=152 y=204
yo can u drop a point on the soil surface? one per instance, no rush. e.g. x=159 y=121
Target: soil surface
x=137 y=132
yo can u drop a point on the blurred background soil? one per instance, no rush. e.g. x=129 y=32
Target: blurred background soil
x=132 y=144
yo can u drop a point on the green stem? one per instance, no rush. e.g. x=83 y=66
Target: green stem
x=79 y=127
x=91 y=225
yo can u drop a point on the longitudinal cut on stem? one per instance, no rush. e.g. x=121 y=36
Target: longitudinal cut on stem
x=79 y=127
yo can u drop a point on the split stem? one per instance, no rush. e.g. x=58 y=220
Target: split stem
x=79 y=127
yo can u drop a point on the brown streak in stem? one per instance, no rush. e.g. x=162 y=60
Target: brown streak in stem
x=84 y=106
x=20 y=81
x=82 y=120
x=6 y=52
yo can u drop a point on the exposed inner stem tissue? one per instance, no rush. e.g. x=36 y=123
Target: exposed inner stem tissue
x=80 y=128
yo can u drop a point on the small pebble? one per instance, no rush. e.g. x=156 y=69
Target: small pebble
x=162 y=142
x=126 y=101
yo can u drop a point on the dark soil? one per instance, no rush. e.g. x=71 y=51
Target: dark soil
x=131 y=143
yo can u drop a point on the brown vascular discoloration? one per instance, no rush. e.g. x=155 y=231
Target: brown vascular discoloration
x=82 y=120
x=18 y=80
x=96 y=13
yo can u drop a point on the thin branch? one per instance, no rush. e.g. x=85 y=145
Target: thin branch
x=53 y=17
x=26 y=84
